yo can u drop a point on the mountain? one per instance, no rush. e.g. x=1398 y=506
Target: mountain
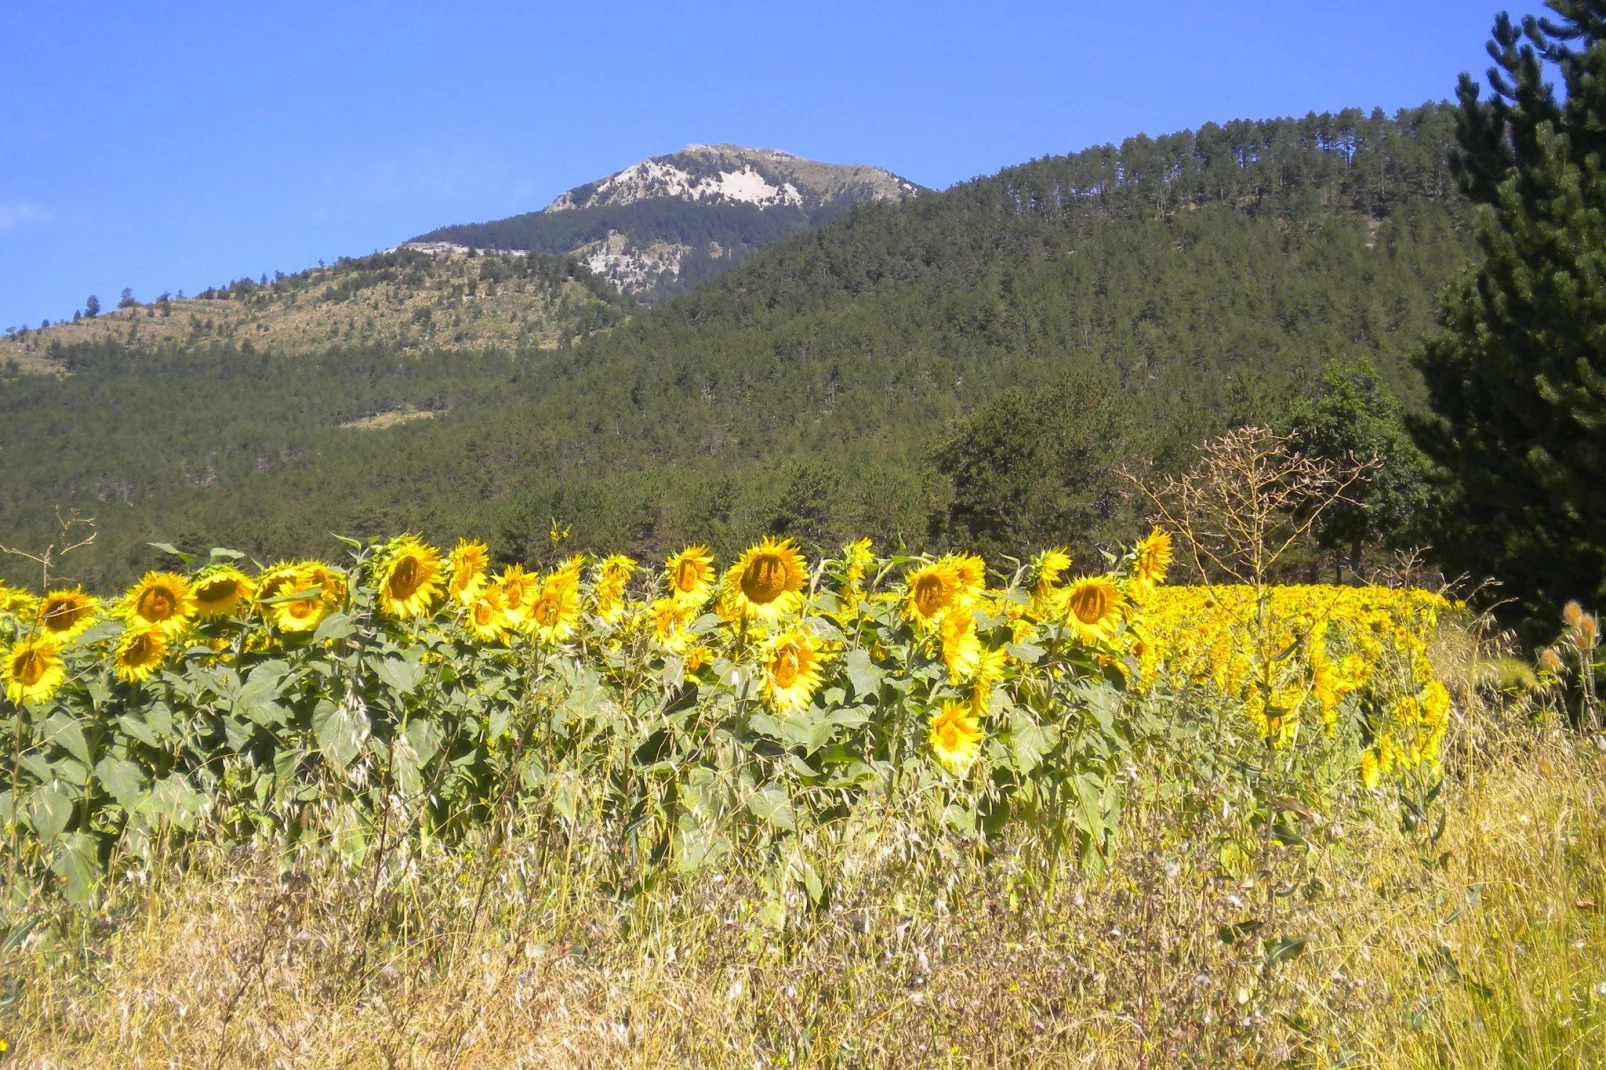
x=437 y=297
x=661 y=227
x=1155 y=291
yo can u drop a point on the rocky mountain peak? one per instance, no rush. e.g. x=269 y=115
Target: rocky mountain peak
x=666 y=224
x=737 y=174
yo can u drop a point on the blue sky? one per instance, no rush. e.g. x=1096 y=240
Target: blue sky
x=173 y=146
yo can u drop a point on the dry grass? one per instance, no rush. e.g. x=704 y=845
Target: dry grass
x=1488 y=952
x=514 y=312
x=390 y=418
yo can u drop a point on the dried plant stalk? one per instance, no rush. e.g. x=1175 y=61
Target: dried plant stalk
x=1248 y=500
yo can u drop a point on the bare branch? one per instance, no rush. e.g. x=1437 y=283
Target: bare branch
x=63 y=544
x=1248 y=500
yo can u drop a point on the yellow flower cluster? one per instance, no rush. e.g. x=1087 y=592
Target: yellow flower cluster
x=1292 y=654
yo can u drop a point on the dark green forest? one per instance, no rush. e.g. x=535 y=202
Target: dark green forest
x=870 y=377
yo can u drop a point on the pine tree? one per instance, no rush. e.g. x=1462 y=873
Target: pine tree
x=1353 y=417
x=1518 y=385
x=804 y=511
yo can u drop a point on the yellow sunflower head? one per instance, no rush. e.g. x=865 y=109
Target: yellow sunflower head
x=961 y=648
x=274 y=581
x=139 y=653
x=1046 y=570
x=933 y=590
x=972 y=573
x=791 y=670
x=1151 y=559
x=33 y=670
x=1371 y=770
x=160 y=600
x=221 y=591
x=487 y=618
x=303 y=607
x=1093 y=607
x=65 y=615
x=691 y=575
x=608 y=592
x=466 y=569
x=408 y=576
x=955 y=737
x=516 y=589
x=858 y=556
x=671 y=624
x=555 y=609
x=15 y=602
x=990 y=669
x=331 y=582
x=766 y=583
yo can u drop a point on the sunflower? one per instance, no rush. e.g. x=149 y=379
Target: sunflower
x=1371 y=770
x=487 y=618
x=221 y=591
x=791 y=670
x=516 y=589
x=65 y=615
x=139 y=652
x=972 y=573
x=275 y=581
x=691 y=575
x=161 y=600
x=303 y=608
x=33 y=670
x=1046 y=570
x=573 y=568
x=466 y=567
x=409 y=577
x=765 y=583
x=1092 y=608
x=15 y=602
x=671 y=624
x=1151 y=559
x=961 y=649
x=955 y=737
x=933 y=590
x=330 y=581
x=698 y=658
x=608 y=592
x=859 y=556
x=989 y=671
x=555 y=608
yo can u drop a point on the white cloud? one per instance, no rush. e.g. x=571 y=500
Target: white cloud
x=21 y=213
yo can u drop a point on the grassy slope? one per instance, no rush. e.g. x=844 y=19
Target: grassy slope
x=402 y=301
x=1483 y=949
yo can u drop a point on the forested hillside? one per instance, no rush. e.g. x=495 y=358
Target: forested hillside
x=1128 y=299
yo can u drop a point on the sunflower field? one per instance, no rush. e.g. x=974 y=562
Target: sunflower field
x=692 y=712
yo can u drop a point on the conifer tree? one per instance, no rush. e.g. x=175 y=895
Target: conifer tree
x=1518 y=385
x=1353 y=418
